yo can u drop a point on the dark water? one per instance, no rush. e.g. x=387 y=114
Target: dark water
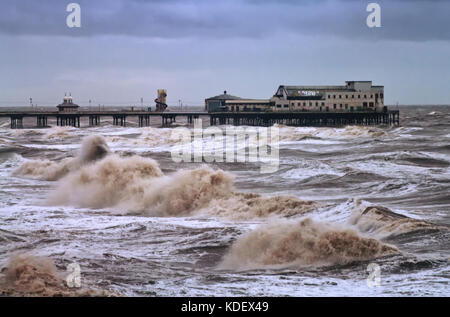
x=344 y=170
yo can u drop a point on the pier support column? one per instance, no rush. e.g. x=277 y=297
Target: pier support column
x=120 y=120
x=16 y=122
x=143 y=120
x=41 y=121
x=93 y=120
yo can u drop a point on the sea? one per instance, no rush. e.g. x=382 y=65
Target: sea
x=107 y=210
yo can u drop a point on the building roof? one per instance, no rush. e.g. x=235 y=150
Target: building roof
x=296 y=88
x=224 y=96
x=243 y=101
x=67 y=105
x=296 y=91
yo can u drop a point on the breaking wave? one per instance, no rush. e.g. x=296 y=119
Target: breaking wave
x=59 y=132
x=134 y=184
x=349 y=132
x=384 y=223
x=149 y=137
x=300 y=243
x=93 y=147
x=29 y=275
x=154 y=137
x=137 y=185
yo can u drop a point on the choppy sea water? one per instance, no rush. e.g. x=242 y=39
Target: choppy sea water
x=139 y=224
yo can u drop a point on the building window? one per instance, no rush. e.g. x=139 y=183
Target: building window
x=334 y=106
x=365 y=96
x=329 y=96
x=334 y=96
x=346 y=106
x=353 y=96
x=304 y=104
x=340 y=96
x=310 y=103
x=323 y=104
x=371 y=96
x=370 y=104
x=340 y=106
x=317 y=103
x=359 y=96
x=381 y=95
x=286 y=106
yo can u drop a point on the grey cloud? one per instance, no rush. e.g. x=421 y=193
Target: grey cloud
x=415 y=20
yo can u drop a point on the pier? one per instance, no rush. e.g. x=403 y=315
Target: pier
x=391 y=117
x=119 y=118
x=256 y=118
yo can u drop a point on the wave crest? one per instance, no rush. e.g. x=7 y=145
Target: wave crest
x=384 y=223
x=29 y=275
x=137 y=185
x=93 y=147
x=301 y=243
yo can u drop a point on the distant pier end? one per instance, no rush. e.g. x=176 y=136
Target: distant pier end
x=354 y=96
x=356 y=102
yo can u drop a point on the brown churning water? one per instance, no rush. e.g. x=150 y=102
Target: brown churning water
x=112 y=200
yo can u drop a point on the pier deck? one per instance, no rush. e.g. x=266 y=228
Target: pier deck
x=236 y=118
x=306 y=118
x=119 y=117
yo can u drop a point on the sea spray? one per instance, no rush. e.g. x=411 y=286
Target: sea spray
x=137 y=185
x=300 y=243
x=93 y=147
x=30 y=275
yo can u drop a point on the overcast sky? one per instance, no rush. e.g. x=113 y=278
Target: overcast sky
x=127 y=49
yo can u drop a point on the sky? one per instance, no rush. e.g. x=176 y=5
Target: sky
x=127 y=49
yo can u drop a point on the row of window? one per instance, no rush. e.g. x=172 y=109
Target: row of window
x=352 y=108
x=341 y=106
x=371 y=104
x=353 y=96
x=247 y=108
x=299 y=104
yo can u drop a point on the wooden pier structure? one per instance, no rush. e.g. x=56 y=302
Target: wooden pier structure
x=118 y=117
x=306 y=118
x=235 y=118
